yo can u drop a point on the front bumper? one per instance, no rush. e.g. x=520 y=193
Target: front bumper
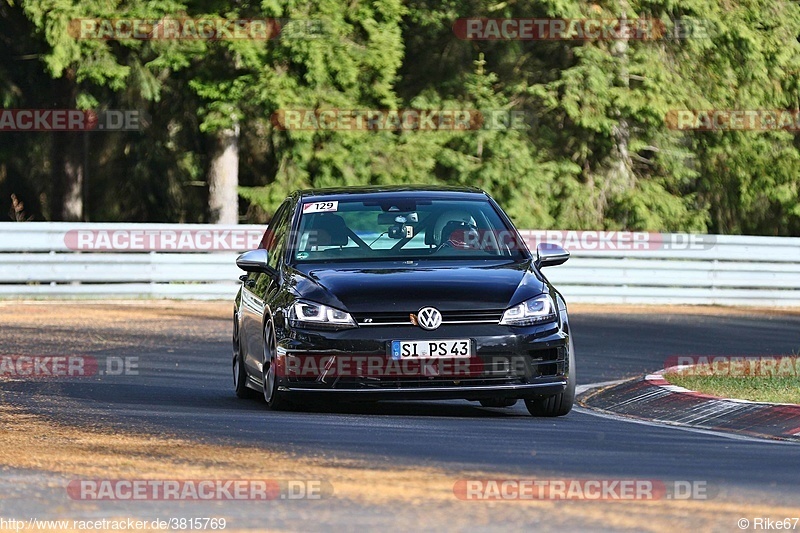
x=508 y=362
x=455 y=392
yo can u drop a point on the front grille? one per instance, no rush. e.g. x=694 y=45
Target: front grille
x=491 y=316
x=472 y=316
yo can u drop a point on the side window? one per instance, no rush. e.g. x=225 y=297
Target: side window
x=278 y=233
x=268 y=238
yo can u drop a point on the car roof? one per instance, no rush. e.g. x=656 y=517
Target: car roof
x=407 y=191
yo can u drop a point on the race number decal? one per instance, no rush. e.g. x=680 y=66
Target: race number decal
x=321 y=207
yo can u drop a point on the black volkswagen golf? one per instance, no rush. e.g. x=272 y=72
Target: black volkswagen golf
x=400 y=293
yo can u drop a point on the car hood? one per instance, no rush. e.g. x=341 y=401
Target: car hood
x=453 y=287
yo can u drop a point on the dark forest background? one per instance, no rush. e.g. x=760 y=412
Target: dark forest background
x=597 y=152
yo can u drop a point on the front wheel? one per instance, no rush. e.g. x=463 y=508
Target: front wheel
x=276 y=400
x=561 y=403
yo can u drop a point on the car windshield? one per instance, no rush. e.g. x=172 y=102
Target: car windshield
x=403 y=230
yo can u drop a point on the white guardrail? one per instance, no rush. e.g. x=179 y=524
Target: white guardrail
x=192 y=261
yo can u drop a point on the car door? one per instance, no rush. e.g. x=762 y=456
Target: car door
x=260 y=287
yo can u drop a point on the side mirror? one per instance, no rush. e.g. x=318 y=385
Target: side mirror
x=548 y=254
x=254 y=261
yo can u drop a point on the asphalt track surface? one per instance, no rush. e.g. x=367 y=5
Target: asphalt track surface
x=184 y=388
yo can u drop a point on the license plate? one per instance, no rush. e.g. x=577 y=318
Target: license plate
x=439 y=349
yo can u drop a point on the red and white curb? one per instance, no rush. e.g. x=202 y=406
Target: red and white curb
x=655 y=399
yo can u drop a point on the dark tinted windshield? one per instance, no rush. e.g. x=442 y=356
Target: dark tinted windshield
x=403 y=229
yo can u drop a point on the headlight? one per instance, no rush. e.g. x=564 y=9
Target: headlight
x=309 y=314
x=534 y=311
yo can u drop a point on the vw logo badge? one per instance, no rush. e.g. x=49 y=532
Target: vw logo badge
x=429 y=318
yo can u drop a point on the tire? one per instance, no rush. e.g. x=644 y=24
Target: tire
x=561 y=403
x=276 y=400
x=240 y=376
x=499 y=402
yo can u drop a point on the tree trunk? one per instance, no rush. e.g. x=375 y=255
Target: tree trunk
x=223 y=178
x=620 y=166
x=67 y=170
x=68 y=173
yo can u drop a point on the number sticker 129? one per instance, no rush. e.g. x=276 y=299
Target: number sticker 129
x=321 y=207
